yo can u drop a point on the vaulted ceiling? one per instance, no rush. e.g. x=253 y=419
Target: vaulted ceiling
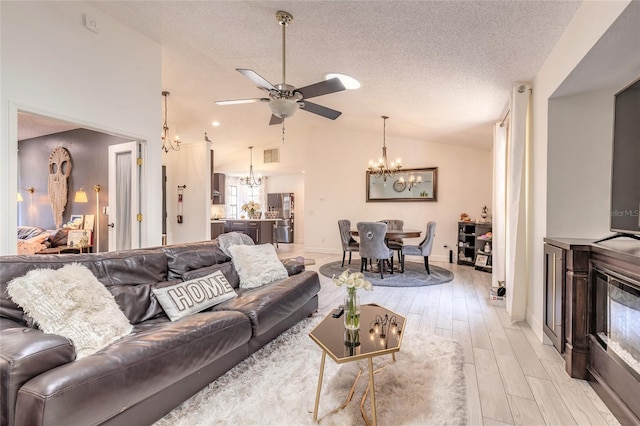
x=442 y=70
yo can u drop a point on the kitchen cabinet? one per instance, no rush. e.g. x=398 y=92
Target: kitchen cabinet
x=217 y=188
x=217 y=228
x=261 y=231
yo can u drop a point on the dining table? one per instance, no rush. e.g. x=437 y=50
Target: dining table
x=394 y=234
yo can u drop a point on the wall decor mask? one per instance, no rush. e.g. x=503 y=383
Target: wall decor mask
x=59 y=171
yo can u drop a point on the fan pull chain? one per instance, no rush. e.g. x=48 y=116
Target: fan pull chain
x=283 y=131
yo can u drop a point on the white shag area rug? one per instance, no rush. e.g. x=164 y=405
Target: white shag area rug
x=277 y=386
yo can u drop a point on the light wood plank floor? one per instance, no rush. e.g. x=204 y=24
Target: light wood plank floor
x=512 y=378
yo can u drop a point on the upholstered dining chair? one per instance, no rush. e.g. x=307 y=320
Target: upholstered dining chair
x=372 y=245
x=395 y=243
x=423 y=249
x=349 y=244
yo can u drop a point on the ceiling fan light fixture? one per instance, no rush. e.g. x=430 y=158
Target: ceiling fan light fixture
x=283 y=108
x=349 y=82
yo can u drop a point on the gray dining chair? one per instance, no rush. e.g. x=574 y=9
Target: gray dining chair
x=372 y=245
x=423 y=249
x=349 y=244
x=395 y=243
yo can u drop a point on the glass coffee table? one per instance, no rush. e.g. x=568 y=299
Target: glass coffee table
x=380 y=333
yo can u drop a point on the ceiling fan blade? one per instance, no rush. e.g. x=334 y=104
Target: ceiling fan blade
x=241 y=101
x=321 y=88
x=320 y=110
x=256 y=78
x=275 y=120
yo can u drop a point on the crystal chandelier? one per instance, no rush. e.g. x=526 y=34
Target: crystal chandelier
x=167 y=144
x=251 y=180
x=382 y=168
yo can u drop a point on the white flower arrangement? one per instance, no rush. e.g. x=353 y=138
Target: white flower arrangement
x=353 y=280
x=250 y=207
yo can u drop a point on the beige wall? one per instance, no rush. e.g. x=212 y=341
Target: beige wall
x=335 y=186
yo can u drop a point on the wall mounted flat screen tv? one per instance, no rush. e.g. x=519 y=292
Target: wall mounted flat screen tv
x=625 y=170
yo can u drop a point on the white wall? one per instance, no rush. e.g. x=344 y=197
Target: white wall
x=579 y=165
x=335 y=186
x=110 y=81
x=590 y=22
x=189 y=166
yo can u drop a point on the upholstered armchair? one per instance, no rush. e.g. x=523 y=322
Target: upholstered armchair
x=423 y=249
x=349 y=244
x=372 y=245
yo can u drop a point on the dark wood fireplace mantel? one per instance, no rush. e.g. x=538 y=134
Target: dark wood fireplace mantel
x=570 y=295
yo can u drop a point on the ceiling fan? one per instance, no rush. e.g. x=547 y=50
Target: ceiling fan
x=284 y=99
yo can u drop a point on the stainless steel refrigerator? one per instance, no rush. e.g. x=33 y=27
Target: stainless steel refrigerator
x=283 y=204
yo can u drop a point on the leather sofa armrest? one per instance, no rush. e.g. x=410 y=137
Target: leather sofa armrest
x=25 y=353
x=293 y=267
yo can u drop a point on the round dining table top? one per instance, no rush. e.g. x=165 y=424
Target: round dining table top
x=396 y=233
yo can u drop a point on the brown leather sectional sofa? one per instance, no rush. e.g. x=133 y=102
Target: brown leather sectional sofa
x=143 y=376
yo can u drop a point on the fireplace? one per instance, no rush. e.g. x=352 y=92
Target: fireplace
x=615 y=333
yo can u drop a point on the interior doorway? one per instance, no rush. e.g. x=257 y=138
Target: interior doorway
x=89 y=147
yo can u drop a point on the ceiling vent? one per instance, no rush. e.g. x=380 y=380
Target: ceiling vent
x=272 y=155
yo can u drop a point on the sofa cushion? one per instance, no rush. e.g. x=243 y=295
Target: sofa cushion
x=189 y=297
x=128 y=267
x=138 y=302
x=226 y=268
x=257 y=265
x=186 y=257
x=268 y=305
x=158 y=354
x=71 y=302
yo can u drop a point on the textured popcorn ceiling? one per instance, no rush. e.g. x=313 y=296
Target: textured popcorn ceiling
x=441 y=70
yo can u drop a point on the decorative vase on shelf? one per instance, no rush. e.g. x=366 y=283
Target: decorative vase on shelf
x=352 y=309
x=255 y=215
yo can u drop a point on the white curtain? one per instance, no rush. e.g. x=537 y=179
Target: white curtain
x=515 y=237
x=509 y=203
x=123 y=215
x=499 y=200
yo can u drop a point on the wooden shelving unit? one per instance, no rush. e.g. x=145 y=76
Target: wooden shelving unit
x=472 y=243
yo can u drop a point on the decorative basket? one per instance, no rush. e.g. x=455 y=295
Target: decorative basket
x=255 y=215
x=271 y=215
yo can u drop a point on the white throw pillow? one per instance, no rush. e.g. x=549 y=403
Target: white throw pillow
x=194 y=296
x=72 y=303
x=231 y=239
x=257 y=265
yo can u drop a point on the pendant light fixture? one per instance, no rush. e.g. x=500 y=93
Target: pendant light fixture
x=251 y=180
x=167 y=144
x=381 y=168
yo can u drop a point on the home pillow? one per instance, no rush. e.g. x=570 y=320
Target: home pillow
x=231 y=239
x=193 y=296
x=257 y=265
x=72 y=303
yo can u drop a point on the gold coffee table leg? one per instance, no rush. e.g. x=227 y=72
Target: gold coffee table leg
x=315 y=409
x=374 y=419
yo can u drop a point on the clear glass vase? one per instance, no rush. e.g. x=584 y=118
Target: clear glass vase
x=352 y=310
